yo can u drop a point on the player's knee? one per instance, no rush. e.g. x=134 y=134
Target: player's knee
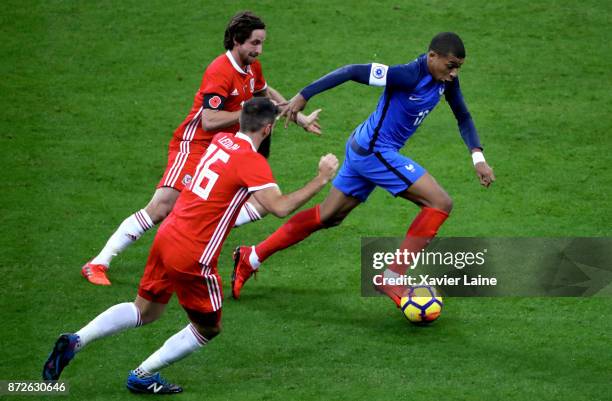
x=331 y=218
x=444 y=203
x=332 y=221
x=159 y=209
x=148 y=315
x=209 y=332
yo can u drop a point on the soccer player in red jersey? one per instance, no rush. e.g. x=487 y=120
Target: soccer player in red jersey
x=183 y=257
x=231 y=79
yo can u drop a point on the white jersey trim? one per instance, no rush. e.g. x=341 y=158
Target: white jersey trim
x=214 y=291
x=262 y=89
x=181 y=157
x=217 y=238
x=378 y=74
x=234 y=63
x=260 y=187
x=247 y=138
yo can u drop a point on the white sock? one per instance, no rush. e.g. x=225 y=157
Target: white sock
x=113 y=320
x=174 y=349
x=247 y=214
x=254 y=259
x=140 y=372
x=129 y=231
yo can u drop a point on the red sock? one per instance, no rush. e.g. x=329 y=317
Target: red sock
x=422 y=230
x=293 y=231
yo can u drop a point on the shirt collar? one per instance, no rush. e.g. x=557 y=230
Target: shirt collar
x=235 y=64
x=247 y=138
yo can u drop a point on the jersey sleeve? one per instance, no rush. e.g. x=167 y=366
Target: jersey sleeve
x=352 y=72
x=260 y=81
x=403 y=76
x=256 y=173
x=455 y=100
x=215 y=88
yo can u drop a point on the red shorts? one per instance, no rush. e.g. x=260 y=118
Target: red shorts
x=169 y=270
x=183 y=158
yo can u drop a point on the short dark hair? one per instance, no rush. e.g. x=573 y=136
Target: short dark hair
x=447 y=43
x=257 y=113
x=240 y=28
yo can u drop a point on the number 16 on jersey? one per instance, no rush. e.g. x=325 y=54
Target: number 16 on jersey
x=213 y=154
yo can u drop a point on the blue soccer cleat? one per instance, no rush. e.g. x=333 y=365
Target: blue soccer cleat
x=60 y=357
x=151 y=385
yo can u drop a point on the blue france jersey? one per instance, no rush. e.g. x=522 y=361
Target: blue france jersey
x=410 y=95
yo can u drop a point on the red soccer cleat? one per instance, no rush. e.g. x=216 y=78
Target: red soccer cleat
x=95 y=274
x=242 y=269
x=395 y=292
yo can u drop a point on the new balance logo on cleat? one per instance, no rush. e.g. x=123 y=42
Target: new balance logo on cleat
x=151 y=385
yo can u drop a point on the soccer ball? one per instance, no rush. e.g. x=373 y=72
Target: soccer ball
x=422 y=305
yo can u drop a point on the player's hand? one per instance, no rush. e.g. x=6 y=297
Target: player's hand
x=296 y=104
x=328 y=165
x=310 y=123
x=281 y=106
x=485 y=174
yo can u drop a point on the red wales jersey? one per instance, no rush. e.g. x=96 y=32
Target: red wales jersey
x=206 y=210
x=225 y=86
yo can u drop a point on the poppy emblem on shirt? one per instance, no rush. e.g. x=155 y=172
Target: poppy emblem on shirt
x=214 y=102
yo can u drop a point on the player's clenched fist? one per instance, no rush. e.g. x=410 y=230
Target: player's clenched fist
x=485 y=174
x=328 y=165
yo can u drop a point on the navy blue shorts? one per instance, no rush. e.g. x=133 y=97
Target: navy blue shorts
x=362 y=172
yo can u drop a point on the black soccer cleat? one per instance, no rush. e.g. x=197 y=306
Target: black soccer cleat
x=60 y=357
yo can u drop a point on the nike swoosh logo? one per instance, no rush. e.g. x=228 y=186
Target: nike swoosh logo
x=414 y=98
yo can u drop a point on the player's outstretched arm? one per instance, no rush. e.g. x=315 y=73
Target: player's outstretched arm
x=310 y=123
x=282 y=205
x=468 y=132
x=353 y=72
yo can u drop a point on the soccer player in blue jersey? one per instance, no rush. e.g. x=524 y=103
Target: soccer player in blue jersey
x=372 y=154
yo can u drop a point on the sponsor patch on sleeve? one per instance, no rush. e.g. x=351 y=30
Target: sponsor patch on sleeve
x=378 y=74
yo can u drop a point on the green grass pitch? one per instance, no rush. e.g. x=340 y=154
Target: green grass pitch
x=92 y=91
